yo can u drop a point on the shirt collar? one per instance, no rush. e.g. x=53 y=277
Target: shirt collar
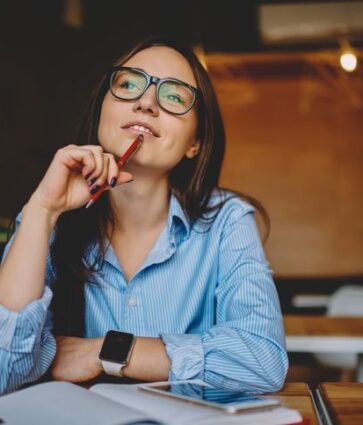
x=178 y=216
x=177 y=221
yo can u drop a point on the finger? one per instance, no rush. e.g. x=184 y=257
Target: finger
x=124 y=177
x=102 y=178
x=76 y=158
x=99 y=156
x=113 y=171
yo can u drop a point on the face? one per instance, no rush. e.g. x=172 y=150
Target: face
x=173 y=136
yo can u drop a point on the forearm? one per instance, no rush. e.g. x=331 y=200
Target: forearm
x=77 y=360
x=28 y=361
x=22 y=274
x=149 y=360
x=243 y=360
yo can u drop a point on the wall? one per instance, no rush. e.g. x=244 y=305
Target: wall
x=295 y=143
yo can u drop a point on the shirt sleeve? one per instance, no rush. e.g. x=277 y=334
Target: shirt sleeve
x=245 y=349
x=27 y=346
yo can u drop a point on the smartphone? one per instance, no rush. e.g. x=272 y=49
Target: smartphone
x=202 y=393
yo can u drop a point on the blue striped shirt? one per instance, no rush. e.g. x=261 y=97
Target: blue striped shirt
x=209 y=295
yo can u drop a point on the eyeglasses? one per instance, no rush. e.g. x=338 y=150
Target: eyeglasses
x=172 y=95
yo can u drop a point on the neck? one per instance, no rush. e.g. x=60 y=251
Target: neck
x=140 y=205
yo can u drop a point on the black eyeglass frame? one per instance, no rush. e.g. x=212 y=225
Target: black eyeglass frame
x=150 y=79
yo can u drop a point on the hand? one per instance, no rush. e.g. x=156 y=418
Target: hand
x=64 y=186
x=77 y=359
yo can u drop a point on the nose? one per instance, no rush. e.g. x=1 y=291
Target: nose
x=147 y=102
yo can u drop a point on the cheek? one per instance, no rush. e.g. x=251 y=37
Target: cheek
x=184 y=130
x=107 y=112
x=104 y=120
x=109 y=120
x=178 y=145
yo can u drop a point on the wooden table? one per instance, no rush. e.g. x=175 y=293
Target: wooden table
x=343 y=402
x=298 y=396
x=326 y=334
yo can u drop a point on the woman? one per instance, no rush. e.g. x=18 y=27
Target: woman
x=168 y=257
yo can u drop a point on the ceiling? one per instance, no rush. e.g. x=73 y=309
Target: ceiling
x=228 y=26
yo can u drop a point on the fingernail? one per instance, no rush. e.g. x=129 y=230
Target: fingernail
x=130 y=181
x=113 y=182
x=90 y=183
x=94 y=189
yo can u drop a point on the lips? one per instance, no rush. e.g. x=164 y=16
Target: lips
x=141 y=127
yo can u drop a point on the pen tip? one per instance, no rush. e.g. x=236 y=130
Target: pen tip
x=90 y=203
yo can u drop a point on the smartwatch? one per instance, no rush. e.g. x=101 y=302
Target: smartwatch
x=116 y=352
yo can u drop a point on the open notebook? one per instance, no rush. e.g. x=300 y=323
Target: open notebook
x=60 y=403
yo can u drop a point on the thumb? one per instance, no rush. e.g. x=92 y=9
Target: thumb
x=124 y=177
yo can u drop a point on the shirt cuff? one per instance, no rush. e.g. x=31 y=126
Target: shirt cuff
x=20 y=330
x=186 y=355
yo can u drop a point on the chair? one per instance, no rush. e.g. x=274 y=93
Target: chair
x=346 y=301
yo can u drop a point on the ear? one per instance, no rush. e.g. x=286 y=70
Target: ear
x=193 y=150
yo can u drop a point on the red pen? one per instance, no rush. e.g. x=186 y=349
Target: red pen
x=120 y=163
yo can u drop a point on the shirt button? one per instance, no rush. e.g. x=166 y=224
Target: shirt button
x=132 y=302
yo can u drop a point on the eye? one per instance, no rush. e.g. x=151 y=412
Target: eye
x=129 y=85
x=176 y=98
x=171 y=94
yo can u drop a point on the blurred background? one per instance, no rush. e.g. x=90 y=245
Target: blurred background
x=289 y=78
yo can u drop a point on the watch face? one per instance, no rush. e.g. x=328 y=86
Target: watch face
x=116 y=346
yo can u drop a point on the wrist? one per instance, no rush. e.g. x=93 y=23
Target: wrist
x=36 y=209
x=95 y=350
x=127 y=370
x=116 y=351
x=149 y=360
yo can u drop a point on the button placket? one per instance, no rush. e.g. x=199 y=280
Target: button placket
x=131 y=294
x=132 y=301
x=133 y=306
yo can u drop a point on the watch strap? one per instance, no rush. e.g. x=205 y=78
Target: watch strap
x=112 y=368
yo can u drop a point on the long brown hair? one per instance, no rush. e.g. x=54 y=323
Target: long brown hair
x=191 y=181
